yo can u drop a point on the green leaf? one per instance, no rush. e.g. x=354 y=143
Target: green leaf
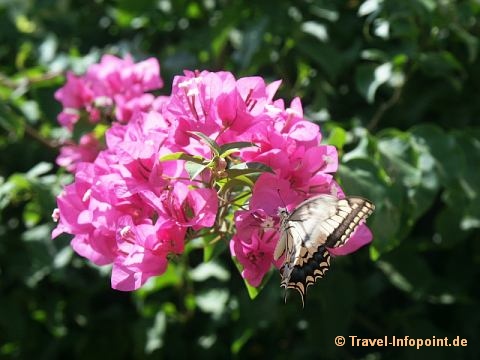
x=170 y=278
x=212 y=251
x=469 y=143
x=316 y=29
x=230 y=148
x=251 y=41
x=211 y=143
x=252 y=291
x=323 y=52
x=213 y=301
x=39 y=169
x=6 y=192
x=370 y=77
x=40 y=233
x=208 y=270
x=247 y=168
x=366 y=146
x=242 y=179
x=238 y=344
x=20 y=184
x=408 y=271
x=63 y=257
x=362 y=177
x=395 y=278
x=10 y=121
x=397 y=159
x=470 y=41
x=32 y=214
x=237 y=182
x=440 y=64
x=30 y=110
x=413 y=166
x=194 y=169
x=374 y=55
x=448 y=232
x=155 y=333
x=337 y=137
x=183 y=156
x=449 y=157
x=368 y=7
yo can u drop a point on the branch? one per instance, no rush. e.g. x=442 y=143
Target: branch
x=384 y=107
x=36 y=135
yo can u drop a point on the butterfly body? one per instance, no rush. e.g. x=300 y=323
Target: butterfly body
x=318 y=223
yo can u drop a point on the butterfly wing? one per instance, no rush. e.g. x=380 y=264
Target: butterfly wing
x=301 y=224
x=317 y=223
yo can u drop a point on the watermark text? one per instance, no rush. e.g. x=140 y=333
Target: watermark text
x=353 y=340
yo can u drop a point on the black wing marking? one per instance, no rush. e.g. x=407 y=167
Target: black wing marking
x=359 y=210
x=301 y=277
x=304 y=264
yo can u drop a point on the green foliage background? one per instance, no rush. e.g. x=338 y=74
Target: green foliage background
x=395 y=85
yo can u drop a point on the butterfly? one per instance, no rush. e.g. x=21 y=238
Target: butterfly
x=318 y=223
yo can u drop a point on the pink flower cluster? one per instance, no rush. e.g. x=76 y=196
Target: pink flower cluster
x=112 y=90
x=128 y=208
x=290 y=146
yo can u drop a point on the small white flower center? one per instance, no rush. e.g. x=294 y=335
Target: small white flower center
x=193 y=92
x=293 y=112
x=56 y=214
x=87 y=195
x=268 y=223
x=125 y=231
x=185 y=84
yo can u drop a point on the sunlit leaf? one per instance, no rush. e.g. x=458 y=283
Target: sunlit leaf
x=370 y=77
x=213 y=301
x=316 y=29
x=241 y=341
x=155 y=333
x=207 y=270
x=337 y=137
x=183 y=156
x=230 y=148
x=368 y=7
x=194 y=169
x=208 y=141
x=247 y=168
x=39 y=169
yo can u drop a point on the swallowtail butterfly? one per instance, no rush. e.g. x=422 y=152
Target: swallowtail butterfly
x=318 y=223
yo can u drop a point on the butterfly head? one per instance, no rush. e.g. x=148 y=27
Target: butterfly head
x=283 y=212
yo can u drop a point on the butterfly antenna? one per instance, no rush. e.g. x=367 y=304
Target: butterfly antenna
x=281 y=199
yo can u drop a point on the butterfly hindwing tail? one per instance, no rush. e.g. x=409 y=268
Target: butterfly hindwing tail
x=301 y=277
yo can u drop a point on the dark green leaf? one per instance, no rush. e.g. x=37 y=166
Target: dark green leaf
x=230 y=148
x=211 y=143
x=247 y=168
x=194 y=169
